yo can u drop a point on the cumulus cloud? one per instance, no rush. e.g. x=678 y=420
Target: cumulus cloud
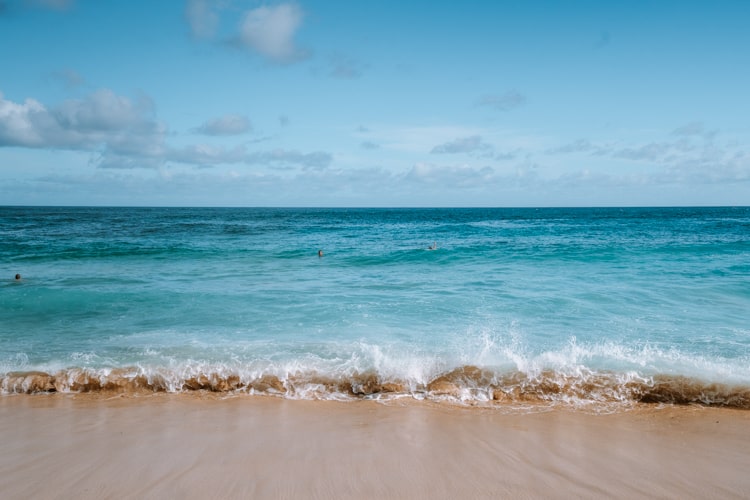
x=225 y=125
x=18 y=122
x=122 y=133
x=270 y=31
x=103 y=111
x=502 y=102
x=470 y=144
x=201 y=17
x=101 y=118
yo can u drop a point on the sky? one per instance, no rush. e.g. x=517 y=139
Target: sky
x=335 y=103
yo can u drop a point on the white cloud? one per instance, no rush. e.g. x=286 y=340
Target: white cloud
x=122 y=133
x=270 y=31
x=100 y=121
x=693 y=156
x=226 y=125
x=526 y=183
x=18 y=123
x=102 y=111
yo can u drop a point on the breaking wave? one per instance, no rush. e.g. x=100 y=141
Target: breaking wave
x=467 y=384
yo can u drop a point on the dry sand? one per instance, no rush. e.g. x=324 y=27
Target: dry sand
x=175 y=446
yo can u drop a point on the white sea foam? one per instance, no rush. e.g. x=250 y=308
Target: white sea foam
x=567 y=376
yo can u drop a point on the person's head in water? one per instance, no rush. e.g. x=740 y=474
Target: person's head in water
x=320 y=253
x=18 y=277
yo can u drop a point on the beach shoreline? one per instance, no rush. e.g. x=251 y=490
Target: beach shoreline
x=209 y=446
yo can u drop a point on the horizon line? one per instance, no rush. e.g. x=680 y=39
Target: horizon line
x=381 y=207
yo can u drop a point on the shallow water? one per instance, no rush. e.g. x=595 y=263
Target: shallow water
x=571 y=306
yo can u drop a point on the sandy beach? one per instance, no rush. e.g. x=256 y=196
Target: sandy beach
x=177 y=446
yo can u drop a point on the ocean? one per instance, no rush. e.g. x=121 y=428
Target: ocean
x=597 y=308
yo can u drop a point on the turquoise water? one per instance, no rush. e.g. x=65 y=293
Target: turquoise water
x=571 y=306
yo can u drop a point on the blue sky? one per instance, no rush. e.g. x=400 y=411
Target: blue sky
x=380 y=103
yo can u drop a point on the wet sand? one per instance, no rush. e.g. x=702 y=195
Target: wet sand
x=176 y=446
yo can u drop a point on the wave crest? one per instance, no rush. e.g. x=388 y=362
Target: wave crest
x=465 y=384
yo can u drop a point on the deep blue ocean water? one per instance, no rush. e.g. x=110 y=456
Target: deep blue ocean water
x=572 y=306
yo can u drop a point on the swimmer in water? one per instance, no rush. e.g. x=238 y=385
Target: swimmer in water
x=433 y=246
x=18 y=277
x=320 y=253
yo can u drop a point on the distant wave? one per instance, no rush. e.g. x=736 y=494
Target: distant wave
x=469 y=385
